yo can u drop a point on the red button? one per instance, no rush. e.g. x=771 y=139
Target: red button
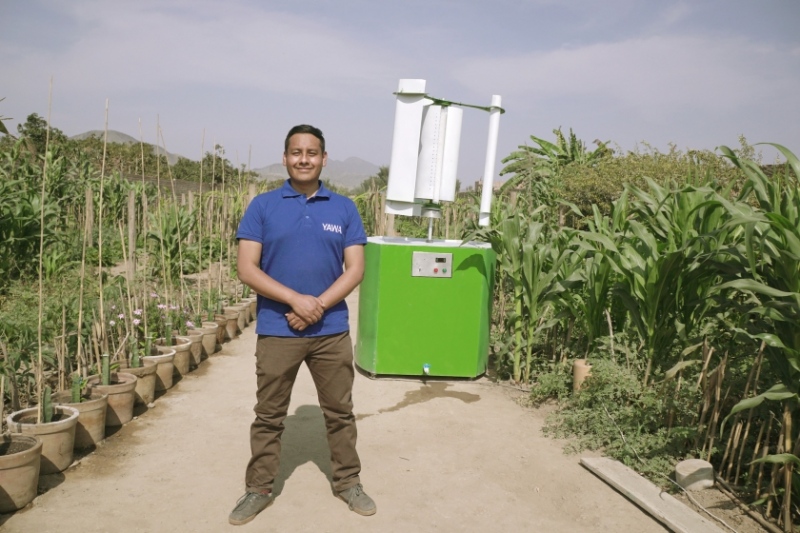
x=435 y=270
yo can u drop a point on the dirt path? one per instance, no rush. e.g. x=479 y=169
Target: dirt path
x=442 y=456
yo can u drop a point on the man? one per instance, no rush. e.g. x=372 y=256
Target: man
x=292 y=244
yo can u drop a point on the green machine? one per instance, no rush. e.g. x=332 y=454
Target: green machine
x=425 y=307
x=425 y=304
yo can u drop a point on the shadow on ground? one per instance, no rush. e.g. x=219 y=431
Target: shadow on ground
x=303 y=440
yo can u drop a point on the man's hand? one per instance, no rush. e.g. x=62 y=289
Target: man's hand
x=307 y=308
x=295 y=322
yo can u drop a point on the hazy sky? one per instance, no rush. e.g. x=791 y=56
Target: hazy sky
x=697 y=73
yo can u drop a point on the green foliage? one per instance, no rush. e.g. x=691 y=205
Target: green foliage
x=105 y=371
x=680 y=251
x=614 y=412
x=553 y=384
x=3 y=128
x=602 y=183
x=34 y=131
x=378 y=182
x=134 y=350
x=169 y=229
x=76 y=388
x=549 y=159
x=214 y=167
x=47 y=405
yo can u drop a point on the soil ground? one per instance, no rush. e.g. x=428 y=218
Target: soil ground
x=437 y=456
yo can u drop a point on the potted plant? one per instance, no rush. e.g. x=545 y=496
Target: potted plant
x=162 y=357
x=20 y=461
x=55 y=428
x=253 y=301
x=91 y=407
x=119 y=386
x=180 y=345
x=145 y=371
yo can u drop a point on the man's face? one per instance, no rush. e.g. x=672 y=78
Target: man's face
x=304 y=159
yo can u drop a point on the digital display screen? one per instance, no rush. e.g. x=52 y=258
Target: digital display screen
x=441 y=260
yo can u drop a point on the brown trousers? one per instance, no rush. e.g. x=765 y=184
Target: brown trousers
x=330 y=361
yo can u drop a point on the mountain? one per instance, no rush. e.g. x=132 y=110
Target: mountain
x=122 y=138
x=348 y=173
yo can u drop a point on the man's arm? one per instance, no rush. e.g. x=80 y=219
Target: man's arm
x=248 y=267
x=350 y=278
x=344 y=285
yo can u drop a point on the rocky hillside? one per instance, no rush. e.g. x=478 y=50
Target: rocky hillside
x=122 y=138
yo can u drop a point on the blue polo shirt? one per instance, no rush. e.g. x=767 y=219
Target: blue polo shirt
x=302 y=246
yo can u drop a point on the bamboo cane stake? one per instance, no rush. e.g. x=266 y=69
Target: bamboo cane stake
x=131 y=271
x=210 y=223
x=128 y=289
x=758 y=452
x=703 y=383
x=62 y=377
x=96 y=335
x=181 y=280
x=166 y=280
x=40 y=360
x=733 y=438
x=222 y=225
x=100 y=235
x=727 y=457
x=786 y=507
x=773 y=491
x=200 y=220
x=757 y=374
x=2 y=389
x=89 y=217
x=720 y=374
x=81 y=356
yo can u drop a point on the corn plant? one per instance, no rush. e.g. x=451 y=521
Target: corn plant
x=768 y=272
x=665 y=267
x=589 y=298
x=174 y=226
x=533 y=262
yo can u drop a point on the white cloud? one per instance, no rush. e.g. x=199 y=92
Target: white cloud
x=143 y=45
x=675 y=13
x=654 y=76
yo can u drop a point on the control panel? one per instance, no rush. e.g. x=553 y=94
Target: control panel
x=432 y=265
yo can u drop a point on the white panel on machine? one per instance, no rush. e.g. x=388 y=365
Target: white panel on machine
x=405 y=147
x=425 y=147
x=437 y=167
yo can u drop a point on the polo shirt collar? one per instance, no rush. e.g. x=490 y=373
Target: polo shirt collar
x=288 y=192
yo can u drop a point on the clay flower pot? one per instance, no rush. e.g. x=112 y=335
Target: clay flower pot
x=209 y=330
x=121 y=396
x=181 y=346
x=581 y=369
x=145 y=391
x=58 y=436
x=164 y=367
x=253 y=307
x=20 y=460
x=91 y=427
x=195 y=348
x=244 y=314
x=222 y=329
x=232 y=326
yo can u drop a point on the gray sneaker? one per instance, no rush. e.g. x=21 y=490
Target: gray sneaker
x=249 y=506
x=358 y=501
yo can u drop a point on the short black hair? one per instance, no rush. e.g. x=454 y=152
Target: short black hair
x=304 y=128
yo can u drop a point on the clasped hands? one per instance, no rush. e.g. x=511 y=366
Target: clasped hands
x=306 y=310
